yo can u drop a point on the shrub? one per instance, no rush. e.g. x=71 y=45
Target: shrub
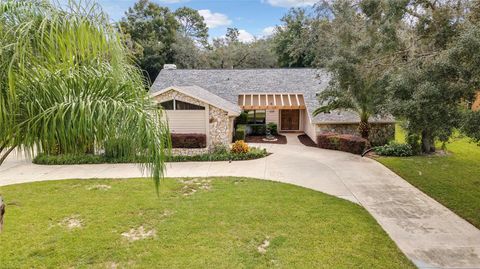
x=240 y=147
x=414 y=141
x=220 y=149
x=272 y=127
x=242 y=118
x=240 y=132
x=395 y=149
x=189 y=140
x=258 y=129
x=343 y=142
x=253 y=153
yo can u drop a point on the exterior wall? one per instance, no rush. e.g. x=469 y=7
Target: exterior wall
x=309 y=128
x=187 y=121
x=273 y=115
x=218 y=125
x=380 y=133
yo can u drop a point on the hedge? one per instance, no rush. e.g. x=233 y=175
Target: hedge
x=189 y=141
x=343 y=142
x=240 y=132
x=254 y=153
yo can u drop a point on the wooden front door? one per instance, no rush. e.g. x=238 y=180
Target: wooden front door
x=290 y=120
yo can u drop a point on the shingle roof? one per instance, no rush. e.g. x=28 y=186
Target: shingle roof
x=229 y=83
x=208 y=97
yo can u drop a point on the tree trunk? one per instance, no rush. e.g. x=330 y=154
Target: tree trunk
x=364 y=129
x=428 y=144
x=2 y=212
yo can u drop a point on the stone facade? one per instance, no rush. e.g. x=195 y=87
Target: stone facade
x=220 y=127
x=380 y=133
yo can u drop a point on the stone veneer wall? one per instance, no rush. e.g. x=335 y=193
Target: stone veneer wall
x=220 y=124
x=380 y=133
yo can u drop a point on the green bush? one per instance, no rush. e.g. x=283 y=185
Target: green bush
x=242 y=118
x=394 y=149
x=254 y=153
x=272 y=127
x=240 y=132
x=414 y=141
x=258 y=129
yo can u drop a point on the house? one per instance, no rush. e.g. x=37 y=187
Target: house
x=208 y=101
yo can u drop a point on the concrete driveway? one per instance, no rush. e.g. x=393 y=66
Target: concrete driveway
x=428 y=233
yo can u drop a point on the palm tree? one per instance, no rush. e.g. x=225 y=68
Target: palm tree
x=361 y=98
x=67 y=81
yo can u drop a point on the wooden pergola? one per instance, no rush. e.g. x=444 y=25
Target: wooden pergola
x=249 y=101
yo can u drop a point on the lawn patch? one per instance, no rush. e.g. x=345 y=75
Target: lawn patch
x=224 y=225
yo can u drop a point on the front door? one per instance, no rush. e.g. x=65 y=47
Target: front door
x=290 y=120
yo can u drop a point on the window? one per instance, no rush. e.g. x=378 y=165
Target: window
x=179 y=105
x=168 y=105
x=256 y=116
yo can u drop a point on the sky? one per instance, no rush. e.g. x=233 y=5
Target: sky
x=254 y=18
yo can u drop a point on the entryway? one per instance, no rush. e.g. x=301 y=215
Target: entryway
x=290 y=120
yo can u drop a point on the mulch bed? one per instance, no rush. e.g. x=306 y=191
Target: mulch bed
x=306 y=140
x=281 y=139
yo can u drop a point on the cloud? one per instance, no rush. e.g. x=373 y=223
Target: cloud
x=268 y=31
x=245 y=36
x=214 y=20
x=291 y=3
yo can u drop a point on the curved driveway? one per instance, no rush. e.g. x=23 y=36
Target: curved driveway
x=428 y=233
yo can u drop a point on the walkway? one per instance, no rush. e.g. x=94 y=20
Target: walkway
x=428 y=233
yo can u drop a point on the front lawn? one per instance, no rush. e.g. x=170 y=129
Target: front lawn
x=194 y=223
x=452 y=180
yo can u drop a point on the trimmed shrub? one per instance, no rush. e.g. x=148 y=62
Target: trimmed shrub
x=395 y=149
x=240 y=147
x=189 y=140
x=253 y=153
x=242 y=118
x=240 y=132
x=272 y=127
x=343 y=142
x=258 y=129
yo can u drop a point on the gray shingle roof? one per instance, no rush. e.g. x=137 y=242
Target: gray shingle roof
x=229 y=83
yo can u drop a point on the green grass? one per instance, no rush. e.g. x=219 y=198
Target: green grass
x=452 y=180
x=220 y=227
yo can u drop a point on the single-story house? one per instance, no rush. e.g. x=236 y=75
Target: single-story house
x=208 y=101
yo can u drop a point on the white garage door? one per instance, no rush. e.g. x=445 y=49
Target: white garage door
x=187 y=121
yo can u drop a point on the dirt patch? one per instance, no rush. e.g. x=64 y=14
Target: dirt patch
x=262 y=249
x=72 y=222
x=281 y=139
x=139 y=234
x=100 y=187
x=307 y=141
x=193 y=185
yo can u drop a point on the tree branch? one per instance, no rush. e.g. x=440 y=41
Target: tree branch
x=4 y=156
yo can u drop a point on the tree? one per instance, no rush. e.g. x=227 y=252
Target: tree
x=293 y=43
x=428 y=85
x=232 y=35
x=67 y=80
x=360 y=49
x=154 y=28
x=192 y=25
x=229 y=52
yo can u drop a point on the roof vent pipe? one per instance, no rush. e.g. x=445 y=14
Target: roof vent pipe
x=169 y=66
